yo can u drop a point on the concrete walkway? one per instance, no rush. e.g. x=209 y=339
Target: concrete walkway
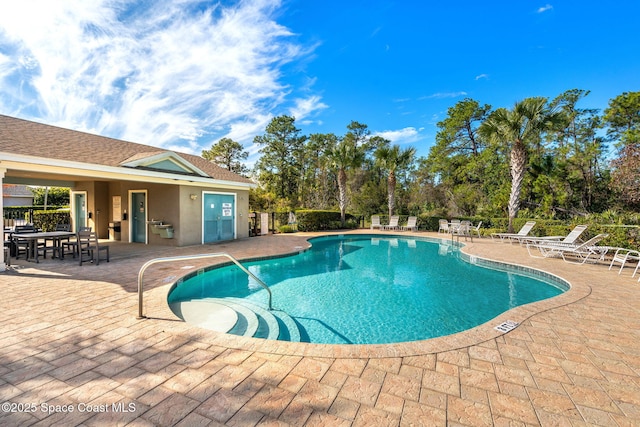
x=73 y=353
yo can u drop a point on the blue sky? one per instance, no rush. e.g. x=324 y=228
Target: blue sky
x=183 y=74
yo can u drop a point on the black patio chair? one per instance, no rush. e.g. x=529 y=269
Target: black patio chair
x=89 y=248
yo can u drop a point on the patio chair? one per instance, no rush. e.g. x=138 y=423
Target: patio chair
x=622 y=256
x=464 y=229
x=524 y=231
x=393 y=223
x=411 y=224
x=455 y=223
x=53 y=248
x=89 y=248
x=572 y=238
x=443 y=226
x=21 y=246
x=583 y=251
x=71 y=246
x=375 y=222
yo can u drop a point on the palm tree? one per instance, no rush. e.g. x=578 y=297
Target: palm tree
x=392 y=159
x=344 y=156
x=519 y=127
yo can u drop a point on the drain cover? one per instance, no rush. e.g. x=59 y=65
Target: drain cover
x=506 y=326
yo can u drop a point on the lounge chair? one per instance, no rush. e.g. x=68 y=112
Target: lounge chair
x=393 y=223
x=476 y=229
x=412 y=224
x=583 y=251
x=572 y=238
x=375 y=222
x=524 y=231
x=443 y=226
x=623 y=255
x=89 y=248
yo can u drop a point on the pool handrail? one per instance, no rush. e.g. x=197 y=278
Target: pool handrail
x=188 y=257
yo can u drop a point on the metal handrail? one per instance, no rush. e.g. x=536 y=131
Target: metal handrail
x=186 y=257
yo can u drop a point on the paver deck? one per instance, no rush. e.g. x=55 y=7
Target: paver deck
x=73 y=353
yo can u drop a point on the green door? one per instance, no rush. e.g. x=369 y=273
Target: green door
x=80 y=210
x=138 y=217
x=219 y=217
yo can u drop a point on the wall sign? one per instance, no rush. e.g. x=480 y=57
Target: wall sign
x=116 y=203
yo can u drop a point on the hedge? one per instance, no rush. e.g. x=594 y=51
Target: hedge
x=47 y=220
x=22 y=212
x=316 y=220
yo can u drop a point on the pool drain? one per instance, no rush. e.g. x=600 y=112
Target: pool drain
x=507 y=326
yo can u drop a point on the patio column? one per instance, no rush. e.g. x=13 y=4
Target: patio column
x=3 y=265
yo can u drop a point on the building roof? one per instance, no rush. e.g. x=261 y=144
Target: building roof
x=14 y=190
x=27 y=138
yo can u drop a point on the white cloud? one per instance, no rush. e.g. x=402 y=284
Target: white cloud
x=406 y=135
x=306 y=107
x=443 y=95
x=482 y=76
x=544 y=8
x=165 y=73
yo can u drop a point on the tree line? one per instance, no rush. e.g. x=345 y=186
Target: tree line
x=546 y=158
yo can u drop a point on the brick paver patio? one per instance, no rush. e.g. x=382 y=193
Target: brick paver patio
x=73 y=353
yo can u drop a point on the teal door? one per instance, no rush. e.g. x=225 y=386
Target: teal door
x=219 y=217
x=138 y=217
x=80 y=210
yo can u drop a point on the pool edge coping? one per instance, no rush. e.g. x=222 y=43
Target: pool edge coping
x=467 y=338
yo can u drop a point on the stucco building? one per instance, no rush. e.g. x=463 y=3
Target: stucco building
x=155 y=196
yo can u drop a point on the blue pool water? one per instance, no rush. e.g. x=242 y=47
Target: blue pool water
x=363 y=289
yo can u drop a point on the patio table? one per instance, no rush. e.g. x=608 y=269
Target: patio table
x=32 y=238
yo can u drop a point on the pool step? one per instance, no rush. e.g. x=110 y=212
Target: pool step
x=248 y=322
x=260 y=323
x=256 y=321
x=288 y=328
x=206 y=314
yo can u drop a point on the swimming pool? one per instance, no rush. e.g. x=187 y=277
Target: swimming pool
x=368 y=289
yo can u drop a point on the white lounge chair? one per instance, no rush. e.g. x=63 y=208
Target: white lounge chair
x=476 y=229
x=623 y=255
x=375 y=222
x=443 y=226
x=412 y=224
x=583 y=251
x=572 y=238
x=393 y=223
x=524 y=231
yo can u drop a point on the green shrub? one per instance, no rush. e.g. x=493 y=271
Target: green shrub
x=428 y=223
x=286 y=229
x=47 y=220
x=281 y=218
x=316 y=220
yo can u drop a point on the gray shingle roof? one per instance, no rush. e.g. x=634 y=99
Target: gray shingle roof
x=23 y=137
x=14 y=190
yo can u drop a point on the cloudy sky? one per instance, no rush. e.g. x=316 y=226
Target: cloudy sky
x=181 y=74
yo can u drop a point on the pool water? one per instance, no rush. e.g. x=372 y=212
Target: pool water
x=363 y=289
